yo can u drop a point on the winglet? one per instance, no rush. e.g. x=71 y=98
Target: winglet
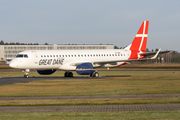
x=155 y=56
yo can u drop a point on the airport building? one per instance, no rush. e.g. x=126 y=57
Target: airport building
x=7 y=52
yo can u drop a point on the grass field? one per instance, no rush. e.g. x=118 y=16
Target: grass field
x=127 y=115
x=138 y=82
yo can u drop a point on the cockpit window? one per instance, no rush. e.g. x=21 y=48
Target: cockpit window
x=25 y=56
x=21 y=56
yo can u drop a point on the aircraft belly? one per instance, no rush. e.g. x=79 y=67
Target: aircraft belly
x=67 y=67
x=113 y=64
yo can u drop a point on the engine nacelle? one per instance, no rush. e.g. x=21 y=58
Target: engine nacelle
x=46 y=72
x=85 y=69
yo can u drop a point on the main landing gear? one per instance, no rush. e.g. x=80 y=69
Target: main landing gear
x=95 y=74
x=26 y=72
x=68 y=74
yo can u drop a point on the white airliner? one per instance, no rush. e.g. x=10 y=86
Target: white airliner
x=84 y=62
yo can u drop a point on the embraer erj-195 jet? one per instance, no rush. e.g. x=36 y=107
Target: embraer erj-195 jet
x=84 y=62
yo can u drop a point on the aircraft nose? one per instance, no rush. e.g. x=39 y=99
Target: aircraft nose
x=13 y=65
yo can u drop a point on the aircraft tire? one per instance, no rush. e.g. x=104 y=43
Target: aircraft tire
x=96 y=74
x=26 y=76
x=91 y=75
x=68 y=74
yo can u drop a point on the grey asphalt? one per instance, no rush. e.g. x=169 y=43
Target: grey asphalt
x=91 y=108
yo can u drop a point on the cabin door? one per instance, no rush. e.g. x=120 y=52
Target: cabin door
x=35 y=57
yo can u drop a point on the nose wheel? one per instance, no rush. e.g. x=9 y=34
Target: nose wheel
x=26 y=72
x=26 y=76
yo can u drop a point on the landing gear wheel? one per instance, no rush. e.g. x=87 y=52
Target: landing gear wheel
x=91 y=75
x=68 y=74
x=95 y=74
x=26 y=72
x=26 y=76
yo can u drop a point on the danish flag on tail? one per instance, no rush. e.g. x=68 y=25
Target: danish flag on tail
x=138 y=47
x=139 y=43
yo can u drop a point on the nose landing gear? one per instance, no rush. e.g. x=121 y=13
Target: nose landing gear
x=26 y=72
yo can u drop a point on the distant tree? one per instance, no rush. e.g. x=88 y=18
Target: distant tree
x=147 y=50
x=116 y=47
x=17 y=43
x=2 y=42
x=11 y=43
x=156 y=50
x=46 y=44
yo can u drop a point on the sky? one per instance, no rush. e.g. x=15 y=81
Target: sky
x=90 y=22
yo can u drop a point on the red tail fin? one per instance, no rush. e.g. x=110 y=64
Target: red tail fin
x=139 y=42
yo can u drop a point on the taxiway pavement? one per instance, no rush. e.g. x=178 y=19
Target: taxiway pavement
x=91 y=108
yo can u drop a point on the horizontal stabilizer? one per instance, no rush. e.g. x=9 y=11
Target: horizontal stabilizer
x=153 y=53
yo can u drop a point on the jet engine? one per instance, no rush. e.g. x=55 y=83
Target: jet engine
x=85 y=69
x=46 y=72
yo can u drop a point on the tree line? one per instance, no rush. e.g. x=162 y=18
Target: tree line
x=17 y=43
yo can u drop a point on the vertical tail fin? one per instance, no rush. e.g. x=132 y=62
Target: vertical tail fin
x=140 y=40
